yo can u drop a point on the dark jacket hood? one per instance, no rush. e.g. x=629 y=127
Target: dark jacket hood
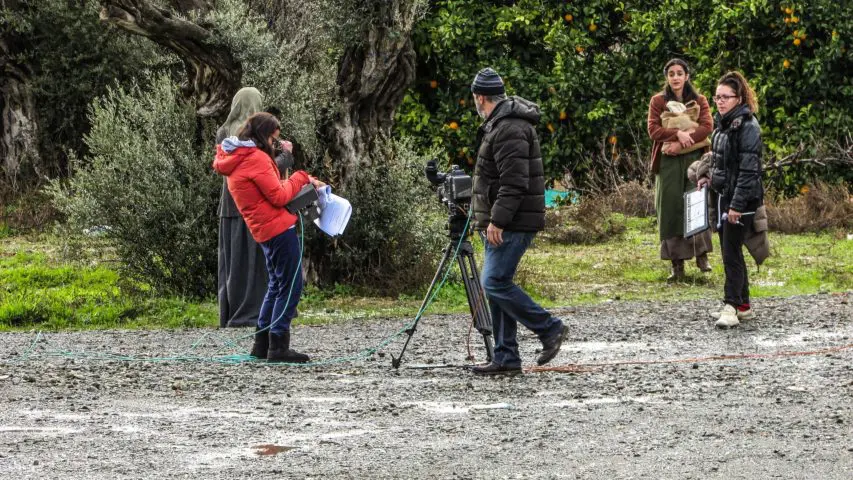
x=513 y=107
x=735 y=118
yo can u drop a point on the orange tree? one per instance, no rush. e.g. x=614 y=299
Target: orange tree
x=592 y=67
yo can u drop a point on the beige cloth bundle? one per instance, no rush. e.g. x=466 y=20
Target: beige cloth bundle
x=683 y=117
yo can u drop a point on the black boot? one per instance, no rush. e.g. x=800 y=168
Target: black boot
x=262 y=343
x=280 y=350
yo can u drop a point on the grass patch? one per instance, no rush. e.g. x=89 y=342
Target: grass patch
x=39 y=290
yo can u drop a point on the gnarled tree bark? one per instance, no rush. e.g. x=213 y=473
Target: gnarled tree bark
x=213 y=74
x=19 y=154
x=373 y=76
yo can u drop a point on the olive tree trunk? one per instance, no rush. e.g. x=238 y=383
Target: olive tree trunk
x=19 y=154
x=213 y=74
x=372 y=76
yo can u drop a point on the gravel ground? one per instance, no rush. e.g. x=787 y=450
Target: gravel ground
x=769 y=417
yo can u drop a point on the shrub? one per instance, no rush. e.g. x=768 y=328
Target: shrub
x=820 y=207
x=73 y=58
x=592 y=67
x=590 y=221
x=148 y=187
x=396 y=233
x=633 y=199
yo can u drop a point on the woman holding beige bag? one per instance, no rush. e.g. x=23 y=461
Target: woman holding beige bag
x=679 y=124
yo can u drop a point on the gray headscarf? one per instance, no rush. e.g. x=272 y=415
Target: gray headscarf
x=247 y=102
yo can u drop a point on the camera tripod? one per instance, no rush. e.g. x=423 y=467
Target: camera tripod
x=480 y=317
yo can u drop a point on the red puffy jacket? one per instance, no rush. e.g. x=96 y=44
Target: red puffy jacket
x=254 y=182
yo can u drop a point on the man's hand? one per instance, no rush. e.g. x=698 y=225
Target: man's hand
x=703 y=182
x=734 y=217
x=494 y=235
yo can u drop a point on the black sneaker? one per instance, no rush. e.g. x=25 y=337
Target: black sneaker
x=495 y=369
x=551 y=346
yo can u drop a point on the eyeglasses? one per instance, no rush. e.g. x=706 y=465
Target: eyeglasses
x=723 y=98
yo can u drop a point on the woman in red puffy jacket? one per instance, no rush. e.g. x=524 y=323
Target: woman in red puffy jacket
x=260 y=195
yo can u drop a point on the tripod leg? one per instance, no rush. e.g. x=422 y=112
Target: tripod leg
x=481 y=317
x=448 y=253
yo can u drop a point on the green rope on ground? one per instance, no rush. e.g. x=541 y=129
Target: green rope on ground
x=232 y=343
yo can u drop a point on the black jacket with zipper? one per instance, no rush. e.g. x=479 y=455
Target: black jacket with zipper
x=736 y=163
x=509 y=181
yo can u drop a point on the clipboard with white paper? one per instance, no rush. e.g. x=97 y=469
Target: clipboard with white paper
x=695 y=212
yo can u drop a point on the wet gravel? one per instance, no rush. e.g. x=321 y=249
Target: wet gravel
x=763 y=417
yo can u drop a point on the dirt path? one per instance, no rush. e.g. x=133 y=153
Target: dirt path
x=775 y=417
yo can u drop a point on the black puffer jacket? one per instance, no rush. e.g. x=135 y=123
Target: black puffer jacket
x=736 y=164
x=509 y=183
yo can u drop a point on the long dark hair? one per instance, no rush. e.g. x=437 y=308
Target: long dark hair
x=736 y=81
x=258 y=128
x=688 y=93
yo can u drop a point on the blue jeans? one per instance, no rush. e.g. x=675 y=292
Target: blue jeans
x=508 y=303
x=282 y=256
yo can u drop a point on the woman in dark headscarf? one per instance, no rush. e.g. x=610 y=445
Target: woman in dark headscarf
x=242 y=268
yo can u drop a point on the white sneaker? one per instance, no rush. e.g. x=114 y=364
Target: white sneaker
x=728 y=317
x=747 y=314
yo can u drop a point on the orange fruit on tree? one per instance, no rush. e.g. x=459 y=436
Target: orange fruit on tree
x=433 y=84
x=462 y=102
x=563 y=115
x=797 y=42
x=569 y=17
x=786 y=64
x=795 y=19
x=453 y=125
x=593 y=27
x=613 y=139
x=579 y=49
x=551 y=127
x=796 y=33
x=787 y=20
x=789 y=10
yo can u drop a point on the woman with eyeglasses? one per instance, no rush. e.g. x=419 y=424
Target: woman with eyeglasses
x=679 y=123
x=738 y=194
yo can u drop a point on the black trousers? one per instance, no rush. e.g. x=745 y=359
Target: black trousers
x=736 y=289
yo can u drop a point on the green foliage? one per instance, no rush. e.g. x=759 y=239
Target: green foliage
x=396 y=232
x=148 y=187
x=38 y=293
x=73 y=58
x=292 y=75
x=592 y=67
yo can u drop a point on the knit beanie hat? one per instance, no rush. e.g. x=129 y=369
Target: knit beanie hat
x=488 y=82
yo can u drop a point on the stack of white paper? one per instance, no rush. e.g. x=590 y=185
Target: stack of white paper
x=335 y=212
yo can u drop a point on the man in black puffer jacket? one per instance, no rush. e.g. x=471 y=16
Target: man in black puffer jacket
x=509 y=205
